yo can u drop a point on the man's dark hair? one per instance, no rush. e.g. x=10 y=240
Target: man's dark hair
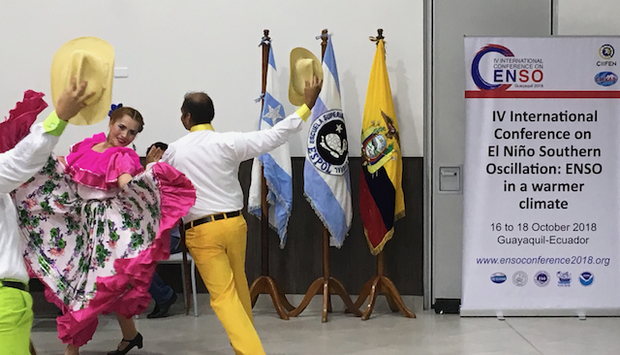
x=200 y=106
x=161 y=145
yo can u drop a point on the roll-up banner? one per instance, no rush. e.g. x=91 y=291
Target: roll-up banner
x=541 y=230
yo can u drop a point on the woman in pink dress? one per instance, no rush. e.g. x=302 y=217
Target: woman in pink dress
x=96 y=224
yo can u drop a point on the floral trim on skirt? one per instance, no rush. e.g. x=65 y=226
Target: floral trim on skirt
x=98 y=255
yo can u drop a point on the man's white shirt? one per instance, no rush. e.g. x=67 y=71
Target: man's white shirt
x=210 y=160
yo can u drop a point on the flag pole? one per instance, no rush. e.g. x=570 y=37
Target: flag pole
x=265 y=284
x=326 y=284
x=381 y=283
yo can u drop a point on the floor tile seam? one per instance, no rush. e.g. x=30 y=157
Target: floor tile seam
x=524 y=338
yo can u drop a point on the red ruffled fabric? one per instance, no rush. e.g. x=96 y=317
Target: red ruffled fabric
x=127 y=292
x=17 y=126
x=101 y=170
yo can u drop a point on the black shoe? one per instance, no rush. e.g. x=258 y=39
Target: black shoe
x=137 y=341
x=161 y=310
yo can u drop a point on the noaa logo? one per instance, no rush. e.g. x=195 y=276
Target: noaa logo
x=564 y=278
x=327 y=143
x=498 y=277
x=605 y=78
x=606 y=51
x=519 y=278
x=586 y=278
x=542 y=278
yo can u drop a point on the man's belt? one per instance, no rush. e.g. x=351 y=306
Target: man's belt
x=213 y=217
x=14 y=284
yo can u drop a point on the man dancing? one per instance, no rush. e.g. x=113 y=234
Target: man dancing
x=215 y=230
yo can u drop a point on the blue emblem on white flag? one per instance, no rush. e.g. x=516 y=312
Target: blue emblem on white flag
x=327 y=184
x=277 y=163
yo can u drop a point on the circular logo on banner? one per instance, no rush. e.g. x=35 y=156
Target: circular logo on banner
x=606 y=51
x=542 y=278
x=328 y=149
x=586 y=278
x=519 y=278
x=605 y=78
x=498 y=277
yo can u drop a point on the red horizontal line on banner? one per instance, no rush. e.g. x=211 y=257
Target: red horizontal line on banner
x=540 y=94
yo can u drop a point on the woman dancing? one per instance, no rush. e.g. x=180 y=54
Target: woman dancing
x=97 y=224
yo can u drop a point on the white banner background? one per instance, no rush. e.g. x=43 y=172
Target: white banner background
x=547 y=274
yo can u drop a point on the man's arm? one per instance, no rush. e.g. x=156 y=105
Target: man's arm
x=28 y=156
x=252 y=144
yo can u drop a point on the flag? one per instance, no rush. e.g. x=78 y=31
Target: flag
x=381 y=193
x=277 y=163
x=327 y=184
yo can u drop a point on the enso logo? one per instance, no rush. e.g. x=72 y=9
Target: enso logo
x=506 y=70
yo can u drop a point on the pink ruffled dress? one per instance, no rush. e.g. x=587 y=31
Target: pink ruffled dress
x=95 y=246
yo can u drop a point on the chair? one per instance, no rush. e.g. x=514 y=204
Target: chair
x=178 y=259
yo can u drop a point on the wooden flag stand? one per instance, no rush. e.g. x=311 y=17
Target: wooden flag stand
x=381 y=283
x=265 y=284
x=326 y=284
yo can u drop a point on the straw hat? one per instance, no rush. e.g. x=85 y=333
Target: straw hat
x=88 y=59
x=304 y=65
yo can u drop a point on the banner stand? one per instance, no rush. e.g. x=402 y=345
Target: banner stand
x=541 y=178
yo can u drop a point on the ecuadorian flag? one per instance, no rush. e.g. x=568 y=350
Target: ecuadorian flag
x=381 y=193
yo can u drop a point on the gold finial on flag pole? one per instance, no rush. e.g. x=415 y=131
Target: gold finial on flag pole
x=379 y=36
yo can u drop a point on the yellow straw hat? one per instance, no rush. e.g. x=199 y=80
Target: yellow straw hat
x=304 y=65
x=88 y=59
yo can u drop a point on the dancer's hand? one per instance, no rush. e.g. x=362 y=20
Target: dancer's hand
x=154 y=155
x=72 y=100
x=312 y=90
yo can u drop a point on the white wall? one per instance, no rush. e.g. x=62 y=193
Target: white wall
x=172 y=47
x=591 y=18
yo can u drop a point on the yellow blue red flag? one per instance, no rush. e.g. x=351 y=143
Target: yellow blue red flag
x=381 y=194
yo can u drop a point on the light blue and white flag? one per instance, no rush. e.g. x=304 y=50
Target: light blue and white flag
x=327 y=184
x=277 y=163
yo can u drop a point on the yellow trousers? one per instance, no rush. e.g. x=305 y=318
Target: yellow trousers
x=15 y=321
x=218 y=248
